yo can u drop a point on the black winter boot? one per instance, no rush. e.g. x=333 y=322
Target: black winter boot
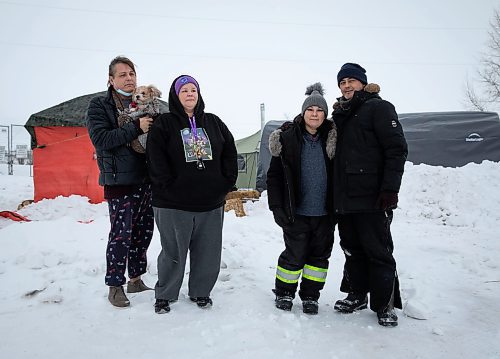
x=162 y=306
x=387 y=317
x=202 y=302
x=283 y=301
x=351 y=303
x=310 y=306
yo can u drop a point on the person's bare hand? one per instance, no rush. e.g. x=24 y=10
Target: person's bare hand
x=145 y=123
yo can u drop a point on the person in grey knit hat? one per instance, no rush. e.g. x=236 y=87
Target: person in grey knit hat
x=315 y=98
x=299 y=195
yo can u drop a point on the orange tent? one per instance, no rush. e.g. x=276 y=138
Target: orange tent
x=64 y=161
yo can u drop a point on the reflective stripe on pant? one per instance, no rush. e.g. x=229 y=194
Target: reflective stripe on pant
x=315 y=273
x=288 y=276
x=308 y=245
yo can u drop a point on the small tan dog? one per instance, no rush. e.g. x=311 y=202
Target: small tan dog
x=144 y=103
x=146 y=100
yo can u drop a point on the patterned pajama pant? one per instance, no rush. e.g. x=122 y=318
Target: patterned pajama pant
x=132 y=225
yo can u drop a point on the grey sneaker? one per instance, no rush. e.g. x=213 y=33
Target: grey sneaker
x=117 y=297
x=137 y=286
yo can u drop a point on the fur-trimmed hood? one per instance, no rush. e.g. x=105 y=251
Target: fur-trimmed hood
x=370 y=88
x=275 y=145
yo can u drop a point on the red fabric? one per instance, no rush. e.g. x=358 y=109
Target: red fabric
x=14 y=216
x=64 y=164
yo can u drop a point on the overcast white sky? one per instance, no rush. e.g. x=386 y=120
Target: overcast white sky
x=242 y=53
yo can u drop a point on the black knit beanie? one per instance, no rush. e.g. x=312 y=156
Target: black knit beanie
x=352 y=70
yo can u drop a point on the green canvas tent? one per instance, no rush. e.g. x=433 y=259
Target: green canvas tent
x=248 y=157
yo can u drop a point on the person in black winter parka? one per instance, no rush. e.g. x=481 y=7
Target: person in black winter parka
x=299 y=186
x=127 y=188
x=368 y=168
x=192 y=163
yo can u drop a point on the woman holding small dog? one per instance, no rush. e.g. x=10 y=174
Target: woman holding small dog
x=192 y=164
x=127 y=188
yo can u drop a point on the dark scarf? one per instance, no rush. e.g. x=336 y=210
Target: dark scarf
x=343 y=108
x=120 y=105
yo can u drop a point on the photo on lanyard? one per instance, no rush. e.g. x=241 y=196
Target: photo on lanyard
x=196 y=148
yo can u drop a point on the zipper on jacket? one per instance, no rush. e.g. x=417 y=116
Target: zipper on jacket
x=113 y=166
x=292 y=217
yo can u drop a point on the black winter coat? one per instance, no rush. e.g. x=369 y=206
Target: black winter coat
x=118 y=163
x=284 y=173
x=177 y=183
x=371 y=153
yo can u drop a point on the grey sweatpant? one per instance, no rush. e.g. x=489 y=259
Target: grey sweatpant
x=201 y=234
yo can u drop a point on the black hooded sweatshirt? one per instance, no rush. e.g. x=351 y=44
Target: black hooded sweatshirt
x=172 y=165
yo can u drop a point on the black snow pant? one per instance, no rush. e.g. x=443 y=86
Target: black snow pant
x=308 y=246
x=369 y=266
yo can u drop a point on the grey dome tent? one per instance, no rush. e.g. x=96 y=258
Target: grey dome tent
x=448 y=139
x=265 y=154
x=451 y=139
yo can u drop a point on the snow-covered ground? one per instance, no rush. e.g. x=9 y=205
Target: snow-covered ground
x=54 y=301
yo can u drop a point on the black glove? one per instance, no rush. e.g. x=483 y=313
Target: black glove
x=280 y=217
x=387 y=200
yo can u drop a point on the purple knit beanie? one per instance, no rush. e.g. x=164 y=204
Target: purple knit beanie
x=185 y=79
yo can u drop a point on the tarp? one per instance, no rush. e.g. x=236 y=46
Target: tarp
x=448 y=139
x=248 y=155
x=14 y=216
x=64 y=161
x=70 y=113
x=67 y=114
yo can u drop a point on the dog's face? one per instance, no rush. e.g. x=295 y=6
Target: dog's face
x=145 y=94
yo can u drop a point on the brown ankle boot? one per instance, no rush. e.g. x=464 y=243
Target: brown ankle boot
x=137 y=286
x=117 y=297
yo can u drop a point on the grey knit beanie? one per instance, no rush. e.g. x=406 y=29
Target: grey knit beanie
x=315 y=98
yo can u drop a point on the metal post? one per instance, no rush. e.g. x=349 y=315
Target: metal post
x=9 y=160
x=12 y=142
x=262 y=117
